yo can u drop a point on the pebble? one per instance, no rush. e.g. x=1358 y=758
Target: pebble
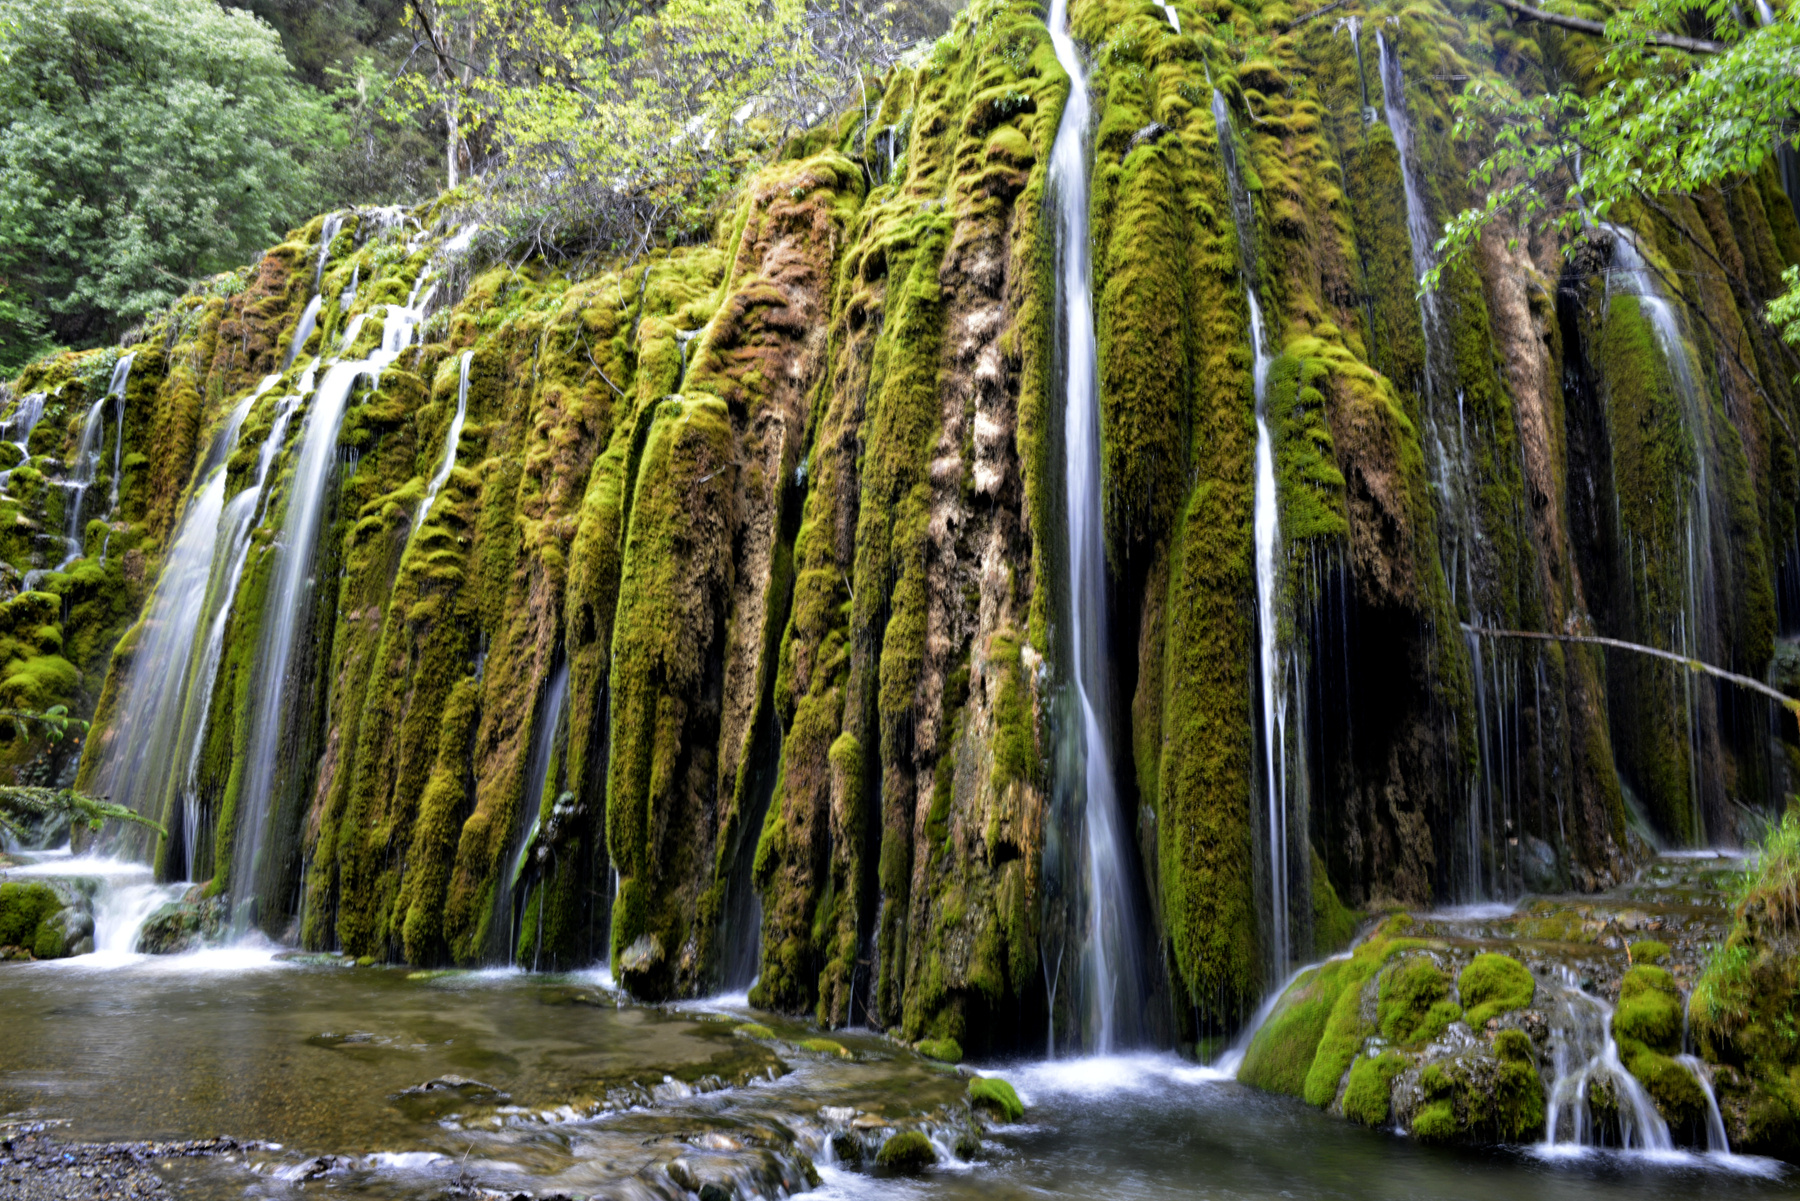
x=35 y=1167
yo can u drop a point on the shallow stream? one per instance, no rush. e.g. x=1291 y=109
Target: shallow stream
x=385 y=1082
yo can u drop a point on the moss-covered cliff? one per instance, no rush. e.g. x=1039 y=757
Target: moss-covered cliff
x=733 y=644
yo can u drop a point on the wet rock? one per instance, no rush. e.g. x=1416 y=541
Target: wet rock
x=445 y=1096
x=185 y=925
x=907 y=1152
x=35 y=1167
x=1537 y=863
x=997 y=1097
x=46 y=918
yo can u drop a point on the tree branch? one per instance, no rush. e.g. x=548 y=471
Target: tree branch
x=1673 y=41
x=1791 y=704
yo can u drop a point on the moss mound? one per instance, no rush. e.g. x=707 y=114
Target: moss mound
x=1414 y=1004
x=1368 y=1094
x=38 y=918
x=997 y=1096
x=1492 y=985
x=944 y=1050
x=908 y=1151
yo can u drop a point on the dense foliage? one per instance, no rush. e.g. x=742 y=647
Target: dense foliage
x=1681 y=96
x=146 y=142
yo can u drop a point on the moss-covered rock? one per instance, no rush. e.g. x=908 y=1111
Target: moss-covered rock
x=907 y=1153
x=1492 y=985
x=996 y=1096
x=49 y=919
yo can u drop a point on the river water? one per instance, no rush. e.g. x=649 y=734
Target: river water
x=553 y=1084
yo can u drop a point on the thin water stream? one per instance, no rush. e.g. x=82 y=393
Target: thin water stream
x=1109 y=973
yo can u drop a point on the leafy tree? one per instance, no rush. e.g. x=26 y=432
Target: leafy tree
x=144 y=143
x=600 y=125
x=1681 y=95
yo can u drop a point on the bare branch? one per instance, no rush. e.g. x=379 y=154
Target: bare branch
x=1673 y=41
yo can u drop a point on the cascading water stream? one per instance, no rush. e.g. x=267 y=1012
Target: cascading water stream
x=1109 y=971
x=545 y=745
x=18 y=426
x=141 y=749
x=290 y=588
x=240 y=517
x=1583 y=1051
x=1485 y=873
x=1273 y=658
x=87 y=458
x=1690 y=632
x=450 y=440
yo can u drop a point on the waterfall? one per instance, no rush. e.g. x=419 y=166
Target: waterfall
x=309 y=320
x=1583 y=1052
x=328 y=232
x=1284 y=837
x=1454 y=474
x=1109 y=970
x=539 y=773
x=1168 y=11
x=456 y=424
x=22 y=420
x=140 y=750
x=17 y=428
x=1690 y=631
x=87 y=458
x=290 y=589
x=240 y=517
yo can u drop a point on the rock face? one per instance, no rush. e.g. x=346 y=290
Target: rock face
x=733 y=644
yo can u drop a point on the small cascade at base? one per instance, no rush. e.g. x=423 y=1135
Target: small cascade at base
x=542 y=774
x=1584 y=1054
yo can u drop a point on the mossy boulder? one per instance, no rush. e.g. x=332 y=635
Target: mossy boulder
x=1648 y=1025
x=1414 y=1004
x=944 y=1050
x=50 y=919
x=997 y=1097
x=825 y=1046
x=907 y=1152
x=185 y=925
x=1366 y=1096
x=1321 y=1023
x=1492 y=985
x=1483 y=1094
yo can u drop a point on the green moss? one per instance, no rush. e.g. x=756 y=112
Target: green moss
x=944 y=1050
x=1414 y=1004
x=1649 y=1010
x=1334 y=923
x=907 y=1152
x=1317 y=1029
x=825 y=1046
x=1492 y=985
x=1367 y=1095
x=996 y=1096
x=25 y=913
x=1648 y=950
x=754 y=1030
